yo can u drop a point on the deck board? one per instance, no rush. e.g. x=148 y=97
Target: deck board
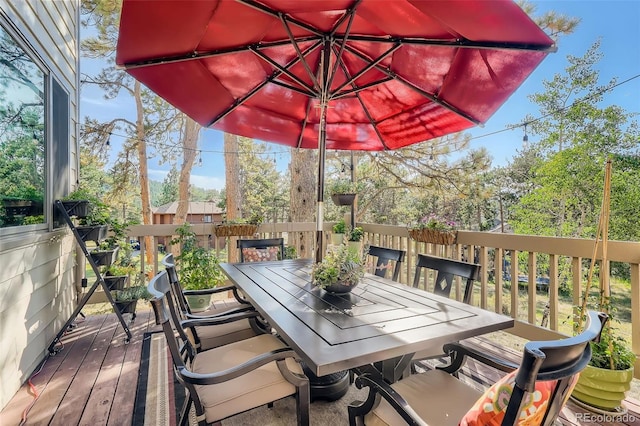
x=92 y=381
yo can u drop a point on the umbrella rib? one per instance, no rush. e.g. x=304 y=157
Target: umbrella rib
x=255 y=90
x=304 y=124
x=283 y=19
x=371 y=65
x=284 y=71
x=358 y=89
x=266 y=10
x=203 y=55
x=351 y=14
x=364 y=107
x=293 y=88
x=461 y=43
x=427 y=95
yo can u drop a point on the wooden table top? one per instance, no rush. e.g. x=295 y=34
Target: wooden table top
x=377 y=321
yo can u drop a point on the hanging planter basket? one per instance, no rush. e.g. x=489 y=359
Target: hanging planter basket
x=434 y=236
x=234 y=229
x=343 y=199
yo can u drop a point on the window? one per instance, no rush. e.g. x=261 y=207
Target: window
x=207 y=218
x=23 y=154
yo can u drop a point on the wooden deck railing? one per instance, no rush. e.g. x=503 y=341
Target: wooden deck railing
x=532 y=299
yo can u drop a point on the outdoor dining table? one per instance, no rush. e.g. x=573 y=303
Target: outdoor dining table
x=379 y=322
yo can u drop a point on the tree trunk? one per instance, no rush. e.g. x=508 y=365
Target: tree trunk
x=145 y=196
x=303 y=198
x=190 y=132
x=232 y=187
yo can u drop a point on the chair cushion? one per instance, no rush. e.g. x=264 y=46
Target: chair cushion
x=223 y=334
x=251 y=390
x=252 y=254
x=491 y=407
x=218 y=307
x=437 y=397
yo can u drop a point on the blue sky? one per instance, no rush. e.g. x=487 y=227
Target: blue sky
x=615 y=22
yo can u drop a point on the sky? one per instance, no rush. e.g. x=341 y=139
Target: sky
x=616 y=23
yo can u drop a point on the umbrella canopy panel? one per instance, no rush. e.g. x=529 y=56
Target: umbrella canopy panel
x=383 y=75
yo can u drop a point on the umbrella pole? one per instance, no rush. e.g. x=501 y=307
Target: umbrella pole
x=321 y=156
x=322 y=147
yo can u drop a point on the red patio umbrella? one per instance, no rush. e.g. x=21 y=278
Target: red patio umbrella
x=332 y=74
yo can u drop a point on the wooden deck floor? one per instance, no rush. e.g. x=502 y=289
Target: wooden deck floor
x=92 y=381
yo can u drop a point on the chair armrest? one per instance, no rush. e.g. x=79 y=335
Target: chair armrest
x=217 y=320
x=370 y=377
x=205 y=291
x=459 y=353
x=216 y=290
x=221 y=314
x=239 y=370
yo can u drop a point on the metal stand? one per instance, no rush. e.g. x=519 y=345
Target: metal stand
x=92 y=289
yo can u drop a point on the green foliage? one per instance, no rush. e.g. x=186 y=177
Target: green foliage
x=340 y=227
x=344 y=264
x=356 y=234
x=290 y=252
x=198 y=267
x=344 y=186
x=610 y=348
x=435 y=222
x=131 y=293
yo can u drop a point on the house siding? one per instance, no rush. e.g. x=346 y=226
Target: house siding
x=37 y=293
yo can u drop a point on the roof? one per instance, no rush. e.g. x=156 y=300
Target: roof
x=195 y=207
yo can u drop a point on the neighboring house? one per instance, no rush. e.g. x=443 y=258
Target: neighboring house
x=198 y=212
x=39 y=84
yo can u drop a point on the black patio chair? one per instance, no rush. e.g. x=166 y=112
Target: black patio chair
x=446 y=269
x=438 y=397
x=387 y=258
x=205 y=337
x=261 y=249
x=229 y=379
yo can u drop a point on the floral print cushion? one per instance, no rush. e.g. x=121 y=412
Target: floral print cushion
x=490 y=408
x=252 y=254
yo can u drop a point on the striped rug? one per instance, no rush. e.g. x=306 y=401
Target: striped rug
x=158 y=395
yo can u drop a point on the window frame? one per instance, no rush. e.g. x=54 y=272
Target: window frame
x=37 y=60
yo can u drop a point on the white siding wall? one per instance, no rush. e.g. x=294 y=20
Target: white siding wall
x=37 y=268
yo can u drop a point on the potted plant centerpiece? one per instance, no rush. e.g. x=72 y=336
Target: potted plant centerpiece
x=435 y=230
x=340 y=270
x=198 y=267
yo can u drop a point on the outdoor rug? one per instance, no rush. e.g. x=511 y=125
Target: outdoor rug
x=159 y=397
